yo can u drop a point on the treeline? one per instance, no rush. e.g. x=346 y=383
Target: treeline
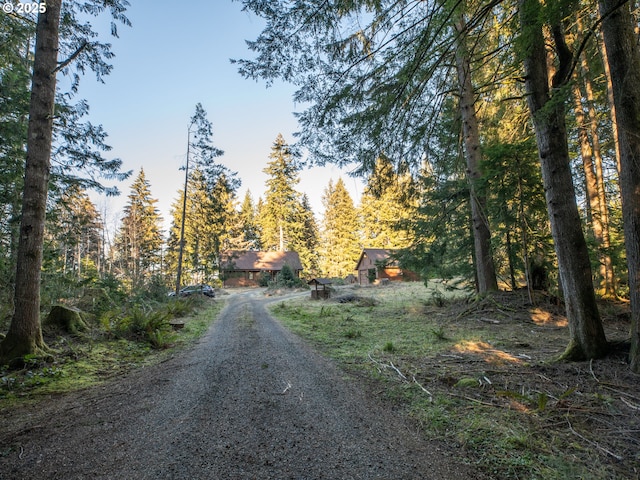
x=138 y=256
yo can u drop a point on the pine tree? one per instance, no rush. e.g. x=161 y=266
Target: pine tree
x=623 y=56
x=307 y=244
x=549 y=118
x=339 y=242
x=203 y=215
x=53 y=36
x=208 y=226
x=138 y=244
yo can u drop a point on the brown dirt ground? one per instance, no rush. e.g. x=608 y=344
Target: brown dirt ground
x=591 y=406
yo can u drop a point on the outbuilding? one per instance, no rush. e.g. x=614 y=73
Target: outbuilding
x=322 y=288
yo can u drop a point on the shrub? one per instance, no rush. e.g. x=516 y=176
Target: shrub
x=137 y=324
x=287 y=279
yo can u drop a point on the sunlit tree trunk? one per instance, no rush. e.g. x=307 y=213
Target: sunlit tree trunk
x=606 y=262
x=485 y=268
x=587 y=338
x=593 y=196
x=623 y=56
x=25 y=334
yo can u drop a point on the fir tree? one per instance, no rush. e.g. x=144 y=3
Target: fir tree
x=138 y=244
x=286 y=220
x=247 y=218
x=279 y=221
x=339 y=245
x=386 y=205
x=74 y=230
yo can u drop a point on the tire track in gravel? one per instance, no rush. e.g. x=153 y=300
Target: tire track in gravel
x=250 y=401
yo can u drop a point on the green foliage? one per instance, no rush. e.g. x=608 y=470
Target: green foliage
x=439 y=333
x=286 y=278
x=353 y=333
x=285 y=218
x=83 y=361
x=138 y=244
x=516 y=205
x=339 y=243
x=138 y=324
x=387 y=206
x=210 y=218
x=389 y=347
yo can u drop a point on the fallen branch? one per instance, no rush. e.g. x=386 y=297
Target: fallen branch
x=595 y=444
x=423 y=389
x=629 y=404
x=383 y=366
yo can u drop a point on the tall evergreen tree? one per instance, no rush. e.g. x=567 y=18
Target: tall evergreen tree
x=339 y=241
x=307 y=243
x=211 y=178
x=587 y=338
x=623 y=56
x=138 y=244
x=486 y=279
x=74 y=229
x=388 y=202
x=248 y=222
x=286 y=220
x=281 y=201
x=24 y=335
x=209 y=222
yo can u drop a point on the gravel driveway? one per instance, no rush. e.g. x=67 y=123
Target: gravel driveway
x=250 y=401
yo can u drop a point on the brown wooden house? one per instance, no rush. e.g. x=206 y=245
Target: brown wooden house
x=249 y=268
x=375 y=264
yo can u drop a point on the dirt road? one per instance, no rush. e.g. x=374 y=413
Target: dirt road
x=250 y=401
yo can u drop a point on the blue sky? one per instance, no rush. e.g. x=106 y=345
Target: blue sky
x=174 y=56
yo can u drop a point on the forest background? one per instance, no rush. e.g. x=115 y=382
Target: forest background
x=496 y=140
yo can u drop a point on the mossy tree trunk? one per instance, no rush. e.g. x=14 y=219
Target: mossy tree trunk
x=25 y=334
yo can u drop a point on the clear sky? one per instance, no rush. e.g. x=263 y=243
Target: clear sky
x=175 y=55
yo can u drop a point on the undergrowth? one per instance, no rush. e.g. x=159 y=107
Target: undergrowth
x=119 y=340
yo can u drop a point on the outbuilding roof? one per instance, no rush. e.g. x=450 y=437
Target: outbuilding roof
x=256 y=261
x=377 y=256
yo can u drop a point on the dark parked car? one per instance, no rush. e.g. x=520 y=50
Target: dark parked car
x=196 y=289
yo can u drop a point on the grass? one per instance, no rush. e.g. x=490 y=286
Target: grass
x=82 y=361
x=475 y=372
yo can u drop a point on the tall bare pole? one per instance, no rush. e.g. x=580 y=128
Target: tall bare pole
x=184 y=212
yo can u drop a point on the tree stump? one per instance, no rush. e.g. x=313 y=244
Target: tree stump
x=66 y=319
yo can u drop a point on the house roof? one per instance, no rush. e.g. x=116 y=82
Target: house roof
x=375 y=254
x=256 y=261
x=319 y=281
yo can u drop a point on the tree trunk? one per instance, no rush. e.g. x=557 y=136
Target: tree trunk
x=587 y=338
x=623 y=57
x=25 y=334
x=593 y=196
x=610 y=279
x=485 y=268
